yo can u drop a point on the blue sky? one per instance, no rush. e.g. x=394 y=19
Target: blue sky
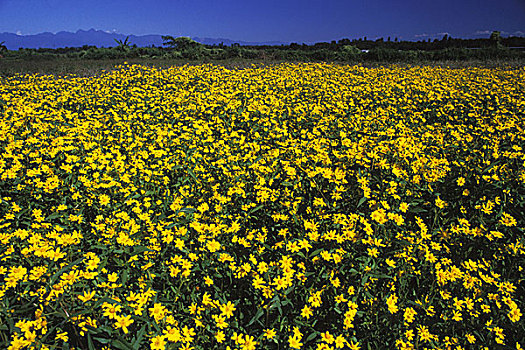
x=280 y=20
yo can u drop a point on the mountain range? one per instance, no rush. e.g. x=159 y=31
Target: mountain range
x=100 y=38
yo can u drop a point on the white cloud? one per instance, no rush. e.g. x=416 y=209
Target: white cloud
x=433 y=35
x=483 y=32
x=519 y=33
x=18 y=32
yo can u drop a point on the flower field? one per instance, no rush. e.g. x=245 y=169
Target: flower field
x=296 y=206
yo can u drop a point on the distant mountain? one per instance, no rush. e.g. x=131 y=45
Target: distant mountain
x=228 y=42
x=99 y=38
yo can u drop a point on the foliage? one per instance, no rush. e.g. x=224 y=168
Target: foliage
x=495 y=37
x=180 y=43
x=344 y=50
x=308 y=206
x=123 y=45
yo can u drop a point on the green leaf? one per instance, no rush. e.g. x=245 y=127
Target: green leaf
x=64 y=269
x=140 y=249
x=192 y=174
x=102 y=301
x=311 y=337
x=416 y=210
x=140 y=335
x=380 y=275
x=279 y=307
x=53 y=216
x=256 y=209
x=361 y=201
x=365 y=279
x=121 y=344
x=295 y=219
x=125 y=276
x=102 y=340
x=187 y=210
x=91 y=346
x=256 y=317
x=276 y=303
x=316 y=252
x=352 y=272
x=492 y=165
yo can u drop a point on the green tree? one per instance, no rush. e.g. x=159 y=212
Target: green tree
x=123 y=45
x=495 y=38
x=181 y=43
x=3 y=47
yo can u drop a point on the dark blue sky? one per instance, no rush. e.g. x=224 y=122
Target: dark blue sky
x=280 y=20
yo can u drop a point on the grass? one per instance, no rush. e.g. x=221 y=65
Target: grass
x=65 y=66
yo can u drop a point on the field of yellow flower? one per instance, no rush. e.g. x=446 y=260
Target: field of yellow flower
x=307 y=206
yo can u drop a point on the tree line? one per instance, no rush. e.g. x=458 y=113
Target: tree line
x=356 y=50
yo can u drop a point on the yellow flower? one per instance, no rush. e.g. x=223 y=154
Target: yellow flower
x=390 y=262
x=158 y=311
x=440 y=203
x=62 y=207
x=294 y=342
x=123 y=322
x=457 y=316
x=220 y=321
x=269 y=333
x=327 y=338
x=380 y=216
x=227 y=309
x=112 y=277
x=104 y=200
x=172 y=334
x=250 y=178
x=507 y=220
x=111 y=310
x=188 y=334
x=373 y=252
x=424 y=334
x=409 y=315
x=237 y=338
x=213 y=246
x=62 y=336
x=340 y=342
x=470 y=338
x=158 y=343
x=354 y=346
x=87 y=296
x=306 y=312
x=515 y=314
x=249 y=343
x=220 y=337
x=391 y=302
